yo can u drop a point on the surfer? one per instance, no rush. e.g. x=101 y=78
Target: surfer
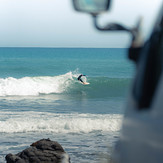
x=79 y=78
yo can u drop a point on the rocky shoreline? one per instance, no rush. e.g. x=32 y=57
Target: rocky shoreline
x=42 y=151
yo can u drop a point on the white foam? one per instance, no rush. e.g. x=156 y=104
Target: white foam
x=58 y=123
x=65 y=158
x=35 y=85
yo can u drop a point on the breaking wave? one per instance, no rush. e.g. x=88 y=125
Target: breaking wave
x=63 y=84
x=35 y=85
x=14 y=122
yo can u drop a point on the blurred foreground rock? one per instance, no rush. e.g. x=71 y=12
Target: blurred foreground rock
x=42 y=151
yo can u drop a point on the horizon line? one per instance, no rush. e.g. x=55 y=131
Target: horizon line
x=63 y=47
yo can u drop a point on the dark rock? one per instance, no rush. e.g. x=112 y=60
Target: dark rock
x=42 y=151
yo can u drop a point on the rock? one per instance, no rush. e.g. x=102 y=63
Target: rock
x=42 y=151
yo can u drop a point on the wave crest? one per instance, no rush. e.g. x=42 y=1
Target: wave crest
x=35 y=85
x=64 y=84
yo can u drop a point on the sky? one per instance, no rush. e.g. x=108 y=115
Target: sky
x=54 y=23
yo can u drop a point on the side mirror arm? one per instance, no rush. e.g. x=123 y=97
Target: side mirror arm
x=117 y=27
x=137 y=41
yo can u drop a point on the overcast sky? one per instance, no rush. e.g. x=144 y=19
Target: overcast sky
x=54 y=23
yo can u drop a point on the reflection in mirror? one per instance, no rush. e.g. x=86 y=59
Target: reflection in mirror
x=91 y=6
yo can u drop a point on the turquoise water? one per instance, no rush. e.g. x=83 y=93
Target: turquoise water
x=21 y=62
x=40 y=97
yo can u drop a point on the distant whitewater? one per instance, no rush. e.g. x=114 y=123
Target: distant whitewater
x=58 y=123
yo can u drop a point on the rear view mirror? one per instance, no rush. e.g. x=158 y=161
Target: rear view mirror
x=96 y=7
x=91 y=6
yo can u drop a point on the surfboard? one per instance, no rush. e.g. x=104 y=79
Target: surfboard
x=85 y=83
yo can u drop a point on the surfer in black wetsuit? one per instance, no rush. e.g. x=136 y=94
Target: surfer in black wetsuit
x=79 y=78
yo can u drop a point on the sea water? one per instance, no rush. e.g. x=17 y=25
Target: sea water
x=40 y=97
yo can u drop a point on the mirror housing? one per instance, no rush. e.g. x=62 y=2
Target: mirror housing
x=93 y=7
x=96 y=7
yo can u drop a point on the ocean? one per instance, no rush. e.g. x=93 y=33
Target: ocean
x=40 y=97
